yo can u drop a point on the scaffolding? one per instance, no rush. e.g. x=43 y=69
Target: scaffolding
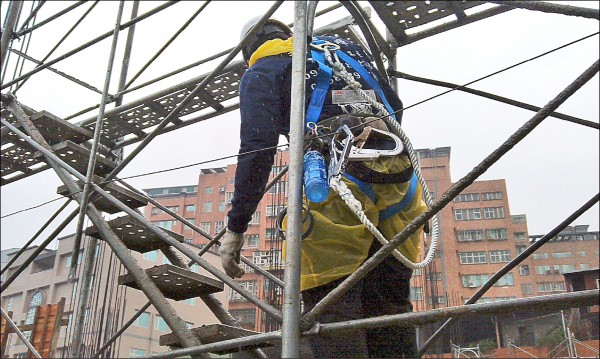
x=86 y=153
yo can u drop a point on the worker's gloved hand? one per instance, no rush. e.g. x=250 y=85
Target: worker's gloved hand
x=231 y=246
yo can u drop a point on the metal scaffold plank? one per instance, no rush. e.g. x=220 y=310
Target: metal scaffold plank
x=177 y=283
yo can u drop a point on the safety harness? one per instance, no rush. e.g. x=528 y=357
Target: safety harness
x=361 y=175
x=323 y=53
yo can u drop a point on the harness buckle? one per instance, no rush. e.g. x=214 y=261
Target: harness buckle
x=321 y=46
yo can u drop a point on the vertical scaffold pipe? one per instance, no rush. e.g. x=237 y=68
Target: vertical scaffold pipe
x=8 y=31
x=290 y=333
x=90 y=257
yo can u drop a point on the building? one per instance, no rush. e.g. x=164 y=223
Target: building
x=46 y=280
x=478 y=236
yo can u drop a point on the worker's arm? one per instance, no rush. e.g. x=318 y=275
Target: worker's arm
x=262 y=110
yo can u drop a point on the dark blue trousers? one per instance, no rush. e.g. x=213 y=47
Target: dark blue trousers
x=384 y=291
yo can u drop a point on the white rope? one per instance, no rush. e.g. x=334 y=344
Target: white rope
x=340 y=70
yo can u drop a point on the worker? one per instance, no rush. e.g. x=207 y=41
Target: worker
x=338 y=243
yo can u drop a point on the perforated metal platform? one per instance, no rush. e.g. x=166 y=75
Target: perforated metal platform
x=134 y=235
x=399 y=16
x=177 y=283
x=78 y=157
x=124 y=195
x=216 y=333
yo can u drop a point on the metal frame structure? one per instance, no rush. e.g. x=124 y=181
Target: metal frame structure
x=79 y=151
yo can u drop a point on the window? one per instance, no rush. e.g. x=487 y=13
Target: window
x=249 y=285
x=278 y=188
x=252 y=241
x=543 y=270
x=565 y=268
x=151 y=256
x=493 y=212
x=527 y=288
x=499 y=299
x=497 y=234
x=472 y=257
x=207 y=207
x=8 y=305
x=467 y=197
x=244 y=316
x=208 y=190
x=506 y=280
x=488 y=196
x=137 y=353
x=155 y=211
x=434 y=276
x=228 y=197
x=469 y=235
x=562 y=255
x=255 y=218
x=581 y=253
x=270 y=233
x=501 y=256
x=416 y=293
x=467 y=214
x=551 y=287
x=524 y=269
x=439 y=299
x=221 y=206
x=520 y=236
x=168 y=225
x=190 y=301
x=521 y=249
x=142 y=320
x=68 y=260
x=173 y=208
x=205 y=226
x=191 y=220
x=273 y=211
x=219 y=226
x=474 y=280
x=519 y=218
x=540 y=255
x=160 y=324
x=190 y=208
x=584 y=266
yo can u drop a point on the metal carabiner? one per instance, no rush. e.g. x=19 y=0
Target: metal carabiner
x=337 y=164
x=321 y=46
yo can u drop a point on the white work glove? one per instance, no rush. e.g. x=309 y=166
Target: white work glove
x=231 y=246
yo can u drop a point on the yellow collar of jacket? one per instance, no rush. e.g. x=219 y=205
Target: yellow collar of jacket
x=270 y=48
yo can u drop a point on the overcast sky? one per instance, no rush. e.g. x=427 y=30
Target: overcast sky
x=549 y=174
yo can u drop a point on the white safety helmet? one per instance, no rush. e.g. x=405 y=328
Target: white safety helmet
x=271 y=26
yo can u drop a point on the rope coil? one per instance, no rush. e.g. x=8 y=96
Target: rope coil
x=340 y=70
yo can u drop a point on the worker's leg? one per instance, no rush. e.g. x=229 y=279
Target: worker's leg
x=349 y=343
x=388 y=293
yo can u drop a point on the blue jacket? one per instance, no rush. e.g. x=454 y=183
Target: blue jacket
x=265 y=96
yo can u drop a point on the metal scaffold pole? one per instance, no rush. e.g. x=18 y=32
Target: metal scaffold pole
x=291 y=301
x=90 y=257
x=14 y=8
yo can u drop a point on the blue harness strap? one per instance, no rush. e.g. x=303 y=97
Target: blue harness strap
x=319 y=94
x=394 y=208
x=400 y=206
